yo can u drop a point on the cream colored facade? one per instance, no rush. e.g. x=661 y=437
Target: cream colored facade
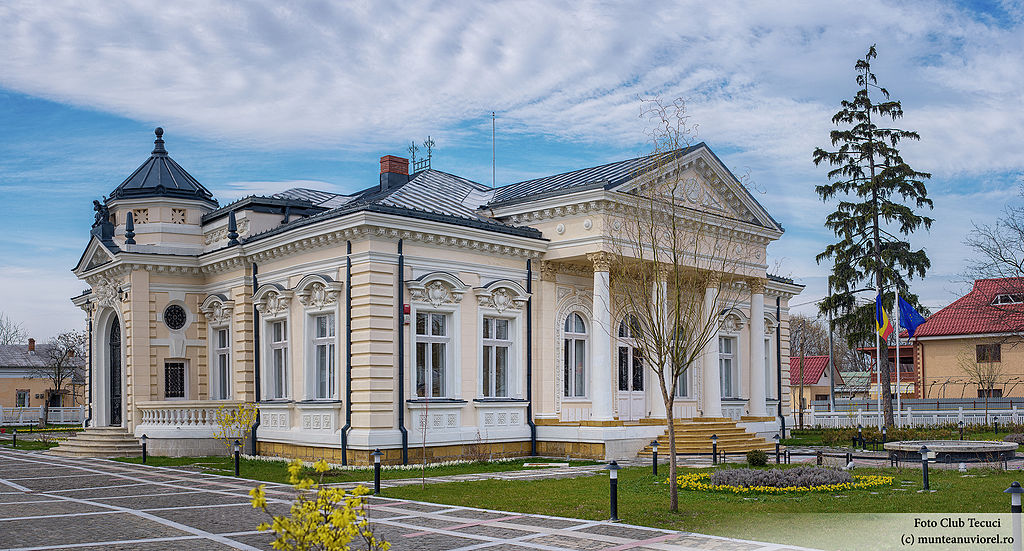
x=940 y=362
x=373 y=276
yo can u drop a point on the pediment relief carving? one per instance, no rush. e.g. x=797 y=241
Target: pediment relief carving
x=437 y=288
x=502 y=295
x=318 y=292
x=271 y=300
x=107 y=292
x=217 y=310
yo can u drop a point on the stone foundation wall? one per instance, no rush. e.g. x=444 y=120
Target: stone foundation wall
x=435 y=454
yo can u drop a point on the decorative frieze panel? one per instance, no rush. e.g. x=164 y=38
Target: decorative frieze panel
x=316 y=421
x=217 y=309
x=221 y=234
x=318 y=292
x=502 y=295
x=271 y=300
x=501 y=417
x=275 y=420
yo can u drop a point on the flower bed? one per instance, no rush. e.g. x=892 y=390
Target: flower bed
x=779 y=481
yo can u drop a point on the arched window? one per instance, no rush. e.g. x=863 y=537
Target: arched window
x=631 y=373
x=575 y=356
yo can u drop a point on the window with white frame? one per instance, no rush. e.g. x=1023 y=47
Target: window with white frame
x=22 y=400
x=433 y=342
x=278 y=375
x=174 y=379
x=221 y=387
x=631 y=371
x=497 y=357
x=323 y=356
x=575 y=357
x=727 y=365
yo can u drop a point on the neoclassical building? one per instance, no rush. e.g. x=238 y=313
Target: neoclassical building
x=425 y=312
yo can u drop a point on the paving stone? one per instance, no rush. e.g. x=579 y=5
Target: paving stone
x=546 y=522
x=494 y=531
x=475 y=514
x=178 y=500
x=15 y=510
x=98 y=528
x=621 y=531
x=195 y=544
x=569 y=542
x=217 y=519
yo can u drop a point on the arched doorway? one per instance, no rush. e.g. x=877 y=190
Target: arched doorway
x=114 y=378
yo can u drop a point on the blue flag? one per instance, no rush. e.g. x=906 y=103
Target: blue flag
x=909 y=318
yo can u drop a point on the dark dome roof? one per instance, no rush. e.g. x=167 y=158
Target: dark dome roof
x=160 y=176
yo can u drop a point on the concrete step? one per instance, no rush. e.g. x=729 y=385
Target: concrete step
x=99 y=442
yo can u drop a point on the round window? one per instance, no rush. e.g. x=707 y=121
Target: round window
x=175 y=317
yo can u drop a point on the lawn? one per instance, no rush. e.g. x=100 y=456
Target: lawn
x=643 y=500
x=276 y=471
x=30 y=445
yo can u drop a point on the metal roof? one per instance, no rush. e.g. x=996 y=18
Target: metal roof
x=160 y=176
x=17 y=355
x=608 y=176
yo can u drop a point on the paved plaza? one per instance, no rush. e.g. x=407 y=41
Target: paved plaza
x=89 y=504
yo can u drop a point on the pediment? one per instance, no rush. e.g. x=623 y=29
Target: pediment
x=699 y=180
x=96 y=254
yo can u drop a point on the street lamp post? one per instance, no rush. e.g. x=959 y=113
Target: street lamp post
x=144 y=438
x=237 y=448
x=924 y=466
x=1015 y=491
x=714 y=449
x=376 y=470
x=860 y=436
x=884 y=434
x=654 y=457
x=613 y=480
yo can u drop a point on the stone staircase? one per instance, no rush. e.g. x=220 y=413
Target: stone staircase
x=100 y=442
x=694 y=436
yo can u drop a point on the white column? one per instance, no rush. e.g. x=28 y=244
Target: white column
x=758 y=392
x=712 y=399
x=601 y=342
x=660 y=295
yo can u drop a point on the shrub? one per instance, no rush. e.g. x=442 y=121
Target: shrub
x=757 y=458
x=806 y=477
x=1016 y=437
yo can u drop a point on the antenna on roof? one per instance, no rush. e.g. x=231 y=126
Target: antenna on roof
x=422 y=164
x=492 y=149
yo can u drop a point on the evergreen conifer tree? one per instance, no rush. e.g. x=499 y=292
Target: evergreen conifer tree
x=874 y=186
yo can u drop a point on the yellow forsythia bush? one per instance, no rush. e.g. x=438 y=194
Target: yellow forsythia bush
x=234 y=422
x=322 y=518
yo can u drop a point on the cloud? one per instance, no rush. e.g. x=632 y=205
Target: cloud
x=242 y=189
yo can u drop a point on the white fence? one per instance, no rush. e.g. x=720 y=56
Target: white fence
x=906 y=418
x=31 y=415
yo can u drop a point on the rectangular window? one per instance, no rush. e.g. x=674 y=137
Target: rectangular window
x=988 y=353
x=222 y=365
x=496 y=351
x=727 y=365
x=432 y=342
x=174 y=379
x=990 y=393
x=323 y=355
x=22 y=399
x=682 y=384
x=278 y=359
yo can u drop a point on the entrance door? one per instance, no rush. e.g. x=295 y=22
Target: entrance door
x=632 y=402
x=115 y=373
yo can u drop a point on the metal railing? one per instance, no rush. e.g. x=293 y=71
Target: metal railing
x=21 y=416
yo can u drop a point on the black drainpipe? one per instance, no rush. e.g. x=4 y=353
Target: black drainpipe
x=778 y=359
x=529 y=358
x=401 y=354
x=89 y=402
x=348 y=354
x=256 y=354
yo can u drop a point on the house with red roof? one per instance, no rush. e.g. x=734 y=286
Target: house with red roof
x=974 y=348
x=816 y=380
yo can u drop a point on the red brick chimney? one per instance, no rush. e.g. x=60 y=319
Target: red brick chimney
x=394 y=171
x=71 y=353
x=31 y=345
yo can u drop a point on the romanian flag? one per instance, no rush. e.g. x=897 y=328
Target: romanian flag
x=882 y=324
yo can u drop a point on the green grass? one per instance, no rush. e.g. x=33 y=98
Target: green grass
x=643 y=500
x=30 y=445
x=277 y=471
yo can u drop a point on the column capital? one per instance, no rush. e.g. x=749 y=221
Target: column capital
x=757 y=285
x=712 y=280
x=602 y=261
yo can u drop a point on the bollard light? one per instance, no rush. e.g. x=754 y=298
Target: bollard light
x=1015 y=491
x=860 y=435
x=714 y=449
x=613 y=480
x=376 y=470
x=961 y=423
x=924 y=466
x=776 y=438
x=144 y=439
x=14 y=436
x=884 y=434
x=654 y=457
x=996 y=423
x=237 y=448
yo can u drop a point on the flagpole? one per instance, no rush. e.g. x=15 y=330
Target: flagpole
x=878 y=376
x=899 y=402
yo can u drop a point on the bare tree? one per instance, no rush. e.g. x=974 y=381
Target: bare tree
x=999 y=246
x=672 y=265
x=982 y=366
x=11 y=332
x=63 y=358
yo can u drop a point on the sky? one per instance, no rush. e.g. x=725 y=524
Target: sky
x=258 y=97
